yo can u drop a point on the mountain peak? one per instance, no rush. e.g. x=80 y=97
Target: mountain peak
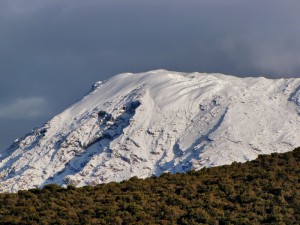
x=160 y=121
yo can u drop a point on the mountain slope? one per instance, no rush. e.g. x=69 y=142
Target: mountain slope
x=263 y=191
x=146 y=124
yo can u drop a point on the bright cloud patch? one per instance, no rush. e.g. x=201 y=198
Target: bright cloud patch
x=23 y=108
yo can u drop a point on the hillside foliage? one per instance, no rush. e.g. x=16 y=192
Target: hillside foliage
x=263 y=191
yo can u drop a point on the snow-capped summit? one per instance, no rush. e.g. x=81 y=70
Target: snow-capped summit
x=160 y=121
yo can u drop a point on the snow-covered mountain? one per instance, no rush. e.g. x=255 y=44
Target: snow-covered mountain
x=149 y=123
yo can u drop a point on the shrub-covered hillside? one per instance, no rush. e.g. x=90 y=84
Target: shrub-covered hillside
x=263 y=191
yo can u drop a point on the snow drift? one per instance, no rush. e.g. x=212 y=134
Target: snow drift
x=160 y=121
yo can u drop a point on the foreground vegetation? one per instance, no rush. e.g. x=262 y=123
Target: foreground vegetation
x=263 y=191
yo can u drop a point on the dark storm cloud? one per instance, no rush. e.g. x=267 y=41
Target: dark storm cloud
x=52 y=51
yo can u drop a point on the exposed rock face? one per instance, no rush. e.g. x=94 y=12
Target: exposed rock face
x=160 y=121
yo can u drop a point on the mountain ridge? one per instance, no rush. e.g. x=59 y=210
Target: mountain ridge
x=159 y=121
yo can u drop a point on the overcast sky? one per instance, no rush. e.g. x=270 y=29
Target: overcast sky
x=52 y=51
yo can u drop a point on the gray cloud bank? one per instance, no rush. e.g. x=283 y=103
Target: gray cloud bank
x=23 y=108
x=56 y=49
